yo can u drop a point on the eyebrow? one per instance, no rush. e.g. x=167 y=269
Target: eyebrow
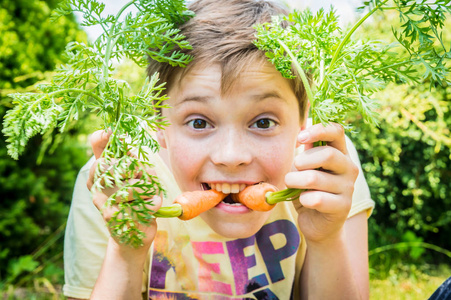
x=195 y=99
x=269 y=94
x=257 y=97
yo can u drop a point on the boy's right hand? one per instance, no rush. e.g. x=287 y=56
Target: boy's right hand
x=99 y=140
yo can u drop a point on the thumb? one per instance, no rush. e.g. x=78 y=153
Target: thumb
x=99 y=139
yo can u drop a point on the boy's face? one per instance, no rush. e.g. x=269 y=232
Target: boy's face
x=227 y=142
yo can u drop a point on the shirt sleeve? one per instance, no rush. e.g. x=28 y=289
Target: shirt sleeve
x=85 y=240
x=361 y=199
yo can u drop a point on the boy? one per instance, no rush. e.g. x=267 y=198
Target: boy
x=235 y=121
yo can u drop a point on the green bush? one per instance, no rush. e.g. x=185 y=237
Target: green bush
x=35 y=197
x=29 y=43
x=406 y=162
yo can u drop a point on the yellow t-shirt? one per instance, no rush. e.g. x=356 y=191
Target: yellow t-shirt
x=188 y=260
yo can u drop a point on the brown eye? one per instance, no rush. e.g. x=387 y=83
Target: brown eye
x=264 y=123
x=198 y=124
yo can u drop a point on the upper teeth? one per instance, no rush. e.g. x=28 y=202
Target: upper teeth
x=228 y=188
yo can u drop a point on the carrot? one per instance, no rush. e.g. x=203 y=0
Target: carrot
x=264 y=196
x=254 y=196
x=191 y=204
x=196 y=202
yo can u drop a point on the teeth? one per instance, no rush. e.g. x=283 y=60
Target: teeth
x=228 y=188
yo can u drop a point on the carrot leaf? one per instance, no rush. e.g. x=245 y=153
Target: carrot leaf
x=85 y=83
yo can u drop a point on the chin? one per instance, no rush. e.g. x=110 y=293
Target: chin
x=235 y=228
x=235 y=233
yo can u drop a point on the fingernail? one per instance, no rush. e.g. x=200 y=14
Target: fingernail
x=303 y=136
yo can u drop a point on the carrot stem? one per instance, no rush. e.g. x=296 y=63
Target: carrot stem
x=283 y=195
x=172 y=211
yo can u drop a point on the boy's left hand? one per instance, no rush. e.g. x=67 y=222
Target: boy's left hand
x=328 y=174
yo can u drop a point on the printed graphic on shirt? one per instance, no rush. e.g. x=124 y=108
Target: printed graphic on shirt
x=257 y=267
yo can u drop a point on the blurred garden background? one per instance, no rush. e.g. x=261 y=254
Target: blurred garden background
x=406 y=161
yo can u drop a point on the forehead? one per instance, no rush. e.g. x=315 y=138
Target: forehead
x=261 y=75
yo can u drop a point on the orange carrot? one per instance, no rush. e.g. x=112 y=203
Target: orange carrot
x=254 y=196
x=196 y=202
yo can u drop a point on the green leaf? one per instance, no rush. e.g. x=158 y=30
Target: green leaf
x=85 y=83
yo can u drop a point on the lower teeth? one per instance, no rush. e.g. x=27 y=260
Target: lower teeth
x=228 y=200
x=233 y=204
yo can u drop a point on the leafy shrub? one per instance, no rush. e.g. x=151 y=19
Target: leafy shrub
x=35 y=197
x=406 y=162
x=35 y=202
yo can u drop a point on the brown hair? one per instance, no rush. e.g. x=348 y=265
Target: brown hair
x=221 y=32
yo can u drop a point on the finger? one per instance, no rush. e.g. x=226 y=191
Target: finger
x=131 y=190
x=99 y=139
x=99 y=199
x=136 y=188
x=103 y=165
x=325 y=202
x=99 y=166
x=332 y=133
x=320 y=181
x=152 y=204
x=325 y=157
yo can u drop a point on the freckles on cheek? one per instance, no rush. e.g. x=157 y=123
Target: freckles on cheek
x=183 y=159
x=278 y=160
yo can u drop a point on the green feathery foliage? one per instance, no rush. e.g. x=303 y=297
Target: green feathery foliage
x=85 y=83
x=346 y=73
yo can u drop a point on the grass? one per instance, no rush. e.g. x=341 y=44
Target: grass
x=409 y=282
x=401 y=283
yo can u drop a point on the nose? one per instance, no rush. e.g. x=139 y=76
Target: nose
x=232 y=149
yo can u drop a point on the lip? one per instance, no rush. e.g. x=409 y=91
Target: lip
x=232 y=208
x=211 y=184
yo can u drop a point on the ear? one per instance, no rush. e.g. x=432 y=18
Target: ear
x=305 y=121
x=161 y=138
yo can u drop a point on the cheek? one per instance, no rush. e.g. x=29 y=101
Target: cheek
x=278 y=160
x=186 y=160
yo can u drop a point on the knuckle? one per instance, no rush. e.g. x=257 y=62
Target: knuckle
x=350 y=188
x=98 y=200
x=95 y=136
x=329 y=153
x=340 y=129
x=298 y=161
x=348 y=203
x=316 y=199
x=288 y=178
x=155 y=202
x=89 y=184
x=321 y=130
x=311 y=178
x=107 y=215
x=353 y=170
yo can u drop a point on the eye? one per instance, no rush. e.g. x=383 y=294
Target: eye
x=264 y=123
x=199 y=124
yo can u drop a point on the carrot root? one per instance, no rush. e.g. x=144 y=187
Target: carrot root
x=196 y=202
x=254 y=196
x=191 y=204
x=260 y=197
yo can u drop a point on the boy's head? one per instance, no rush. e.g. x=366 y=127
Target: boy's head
x=233 y=118
x=222 y=33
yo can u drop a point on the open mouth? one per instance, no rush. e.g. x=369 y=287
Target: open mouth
x=226 y=188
